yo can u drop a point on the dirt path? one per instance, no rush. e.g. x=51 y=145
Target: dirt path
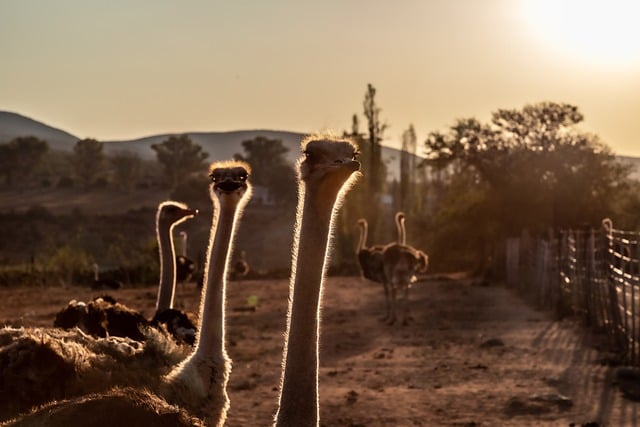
x=473 y=356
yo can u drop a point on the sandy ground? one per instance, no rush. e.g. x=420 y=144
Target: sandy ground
x=472 y=356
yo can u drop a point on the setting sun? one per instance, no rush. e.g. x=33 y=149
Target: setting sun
x=603 y=33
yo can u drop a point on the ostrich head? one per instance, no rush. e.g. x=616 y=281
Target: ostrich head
x=229 y=180
x=173 y=213
x=329 y=165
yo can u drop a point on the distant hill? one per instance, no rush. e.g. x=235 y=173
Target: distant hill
x=219 y=145
x=13 y=125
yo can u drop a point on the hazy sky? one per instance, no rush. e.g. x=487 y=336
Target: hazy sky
x=123 y=69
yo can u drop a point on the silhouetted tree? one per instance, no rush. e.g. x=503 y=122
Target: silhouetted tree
x=179 y=157
x=88 y=161
x=19 y=157
x=269 y=167
x=407 y=168
x=127 y=169
x=373 y=167
x=527 y=168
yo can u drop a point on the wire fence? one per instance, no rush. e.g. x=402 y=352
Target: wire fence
x=592 y=274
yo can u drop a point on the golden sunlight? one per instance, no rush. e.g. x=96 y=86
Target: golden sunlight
x=601 y=32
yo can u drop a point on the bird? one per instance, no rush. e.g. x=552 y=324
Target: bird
x=40 y=365
x=196 y=387
x=104 y=316
x=185 y=267
x=240 y=266
x=103 y=283
x=326 y=172
x=401 y=263
x=371 y=258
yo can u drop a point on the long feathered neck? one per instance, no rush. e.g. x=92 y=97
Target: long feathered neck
x=167 y=285
x=299 y=389
x=362 y=244
x=402 y=234
x=210 y=340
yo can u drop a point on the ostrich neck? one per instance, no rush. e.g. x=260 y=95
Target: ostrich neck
x=299 y=396
x=211 y=333
x=402 y=236
x=167 y=269
x=363 y=236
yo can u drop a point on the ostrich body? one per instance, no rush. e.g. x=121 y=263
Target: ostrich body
x=40 y=365
x=199 y=382
x=401 y=263
x=369 y=257
x=241 y=266
x=326 y=172
x=372 y=261
x=197 y=386
x=113 y=410
x=99 y=283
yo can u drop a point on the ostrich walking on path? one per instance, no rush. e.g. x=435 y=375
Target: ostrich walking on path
x=372 y=258
x=401 y=263
x=326 y=172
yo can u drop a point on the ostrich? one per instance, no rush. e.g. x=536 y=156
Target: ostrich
x=104 y=316
x=185 y=267
x=107 y=283
x=198 y=384
x=40 y=365
x=326 y=172
x=240 y=266
x=371 y=258
x=401 y=262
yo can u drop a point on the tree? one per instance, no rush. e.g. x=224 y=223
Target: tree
x=407 y=167
x=179 y=157
x=529 y=168
x=376 y=131
x=269 y=167
x=19 y=157
x=88 y=161
x=127 y=169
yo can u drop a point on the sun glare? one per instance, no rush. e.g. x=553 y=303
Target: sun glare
x=602 y=32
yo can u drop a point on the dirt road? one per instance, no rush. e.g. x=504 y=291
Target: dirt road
x=472 y=356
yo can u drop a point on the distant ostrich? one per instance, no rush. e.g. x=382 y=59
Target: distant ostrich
x=104 y=316
x=185 y=267
x=326 y=173
x=198 y=384
x=105 y=283
x=401 y=264
x=371 y=258
x=240 y=266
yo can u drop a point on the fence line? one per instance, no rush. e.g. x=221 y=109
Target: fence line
x=592 y=274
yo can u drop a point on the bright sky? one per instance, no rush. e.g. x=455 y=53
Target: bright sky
x=123 y=69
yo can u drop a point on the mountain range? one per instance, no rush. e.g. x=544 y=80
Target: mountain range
x=219 y=145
